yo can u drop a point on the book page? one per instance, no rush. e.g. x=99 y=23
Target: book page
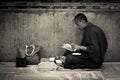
x=67 y=46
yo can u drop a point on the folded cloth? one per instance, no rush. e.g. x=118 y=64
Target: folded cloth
x=49 y=66
x=52 y=59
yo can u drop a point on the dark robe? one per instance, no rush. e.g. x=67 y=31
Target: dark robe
x=95 y=41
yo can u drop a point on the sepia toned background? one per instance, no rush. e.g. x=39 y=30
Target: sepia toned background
x=50 y=28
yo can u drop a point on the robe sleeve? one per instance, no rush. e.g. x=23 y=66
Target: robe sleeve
x=92 y=44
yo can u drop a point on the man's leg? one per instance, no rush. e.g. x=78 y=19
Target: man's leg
x=67 y=53
x=93 y=65
x=73 y=61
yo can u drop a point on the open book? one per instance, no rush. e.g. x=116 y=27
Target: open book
x=68 y=47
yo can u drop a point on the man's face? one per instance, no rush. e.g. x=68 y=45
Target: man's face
x=80 y=24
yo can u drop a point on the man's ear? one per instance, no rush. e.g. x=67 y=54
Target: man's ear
x=83 y=21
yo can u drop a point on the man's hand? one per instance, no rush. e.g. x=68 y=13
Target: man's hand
x=77 y=47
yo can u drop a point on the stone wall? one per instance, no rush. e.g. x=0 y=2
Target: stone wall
x=50 y=25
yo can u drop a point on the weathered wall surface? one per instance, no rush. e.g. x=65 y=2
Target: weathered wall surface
x=51 y=29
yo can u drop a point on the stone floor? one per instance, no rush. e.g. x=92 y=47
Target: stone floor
x=49 y=71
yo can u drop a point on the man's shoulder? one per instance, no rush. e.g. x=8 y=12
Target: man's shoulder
x=95 y=28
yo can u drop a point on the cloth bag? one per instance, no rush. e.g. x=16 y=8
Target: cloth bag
x=28 y=55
